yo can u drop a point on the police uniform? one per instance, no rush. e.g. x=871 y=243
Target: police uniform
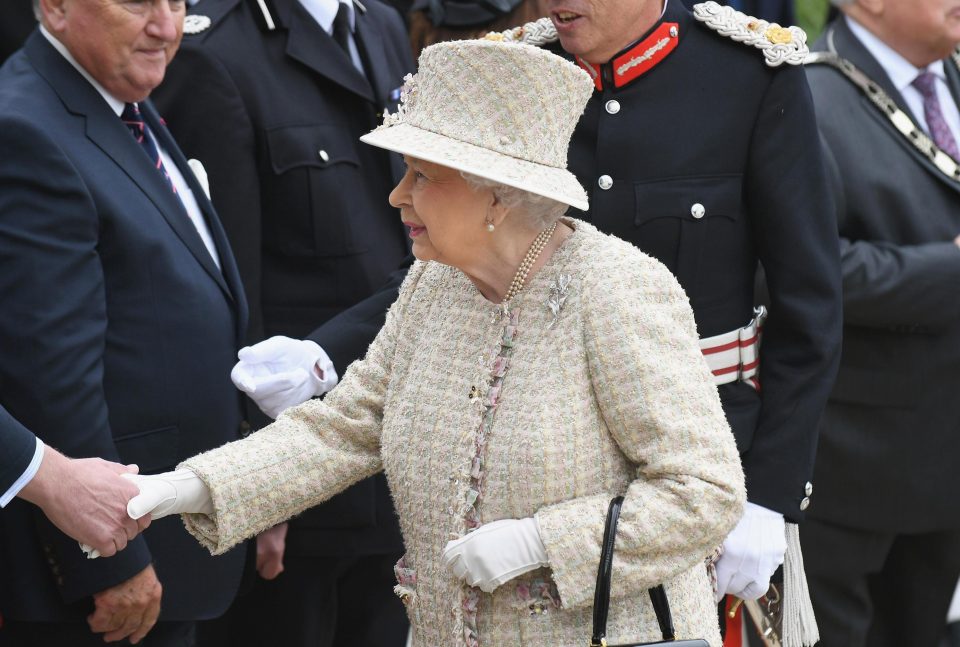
x=274 y=108
x=702 y=154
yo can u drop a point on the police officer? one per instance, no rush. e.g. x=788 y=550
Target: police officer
x=700 y=147
x=272 y=96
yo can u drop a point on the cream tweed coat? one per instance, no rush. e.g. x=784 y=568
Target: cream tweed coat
x=476 y=414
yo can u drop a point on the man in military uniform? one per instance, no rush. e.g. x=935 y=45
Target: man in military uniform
x=883 y=548
x=272 y=96
x=701 y=150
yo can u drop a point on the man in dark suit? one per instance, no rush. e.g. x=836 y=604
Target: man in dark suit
x=883 y=546
x=85 y=498
x=273 y=97
x=123 y=310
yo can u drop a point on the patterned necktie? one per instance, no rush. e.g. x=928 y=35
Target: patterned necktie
x=926 y=83
x=133 y=120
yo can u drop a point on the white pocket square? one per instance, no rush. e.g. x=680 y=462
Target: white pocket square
x=197 y=167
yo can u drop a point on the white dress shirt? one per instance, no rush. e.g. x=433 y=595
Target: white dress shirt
x=324 y=11
x=902 y=73
x=26 y=477
x=183 y=190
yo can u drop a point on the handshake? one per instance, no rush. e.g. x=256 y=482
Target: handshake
x=277 y=373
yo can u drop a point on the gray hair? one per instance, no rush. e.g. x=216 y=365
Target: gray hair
x=36 y=10
x=841 y=3
x=539 y=210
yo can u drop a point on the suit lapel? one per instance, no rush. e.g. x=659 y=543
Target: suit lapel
x=178 y=218
x=315 y=48
x=843 y=42
x=379 y=68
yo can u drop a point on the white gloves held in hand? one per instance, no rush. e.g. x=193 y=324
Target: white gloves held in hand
x=496 y=552
x=281 y=372
x=751 y=553
x=169 y=493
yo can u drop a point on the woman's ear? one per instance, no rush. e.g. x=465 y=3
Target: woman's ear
x=496 y=210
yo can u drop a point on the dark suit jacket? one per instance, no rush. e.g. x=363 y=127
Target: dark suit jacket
x=712 y=124
x=118 y=332
x=17 y=447
x=891 y=435
x=276 y=116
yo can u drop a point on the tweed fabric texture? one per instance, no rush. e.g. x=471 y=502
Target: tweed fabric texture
x=503 y=111
x=610 y=396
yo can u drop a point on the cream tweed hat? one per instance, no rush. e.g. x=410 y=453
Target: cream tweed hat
x=499 y=110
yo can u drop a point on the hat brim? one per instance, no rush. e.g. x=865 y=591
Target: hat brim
x=554 y=183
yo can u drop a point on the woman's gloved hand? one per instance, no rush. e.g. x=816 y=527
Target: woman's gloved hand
x=169 y=493
x=496 y=552
x=751 y=553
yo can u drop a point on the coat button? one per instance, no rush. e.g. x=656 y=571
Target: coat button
x=324 y=157
x=805 y=503
x=613 y=106
x=697 y=211
x=605 y=182
x=808 y=488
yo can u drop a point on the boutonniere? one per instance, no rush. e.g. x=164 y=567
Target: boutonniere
x=558 y=296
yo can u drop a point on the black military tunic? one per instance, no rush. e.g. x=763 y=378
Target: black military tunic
x=702 y=155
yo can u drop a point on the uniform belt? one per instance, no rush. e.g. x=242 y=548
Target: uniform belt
x=735 y=355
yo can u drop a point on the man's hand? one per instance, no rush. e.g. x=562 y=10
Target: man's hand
x=86 y=499
x=751 y=553
x=270 y=547
x=495 y=553
x=129 y=609
x=281 y=372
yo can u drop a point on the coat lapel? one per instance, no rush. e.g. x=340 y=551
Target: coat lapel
x=379 y=68
x=315 y=48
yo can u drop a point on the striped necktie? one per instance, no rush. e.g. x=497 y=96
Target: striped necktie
x=133 y=120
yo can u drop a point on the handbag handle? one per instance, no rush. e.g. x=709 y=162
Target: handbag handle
x=601 y=595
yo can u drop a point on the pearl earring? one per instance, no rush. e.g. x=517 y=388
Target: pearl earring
x=490 y=227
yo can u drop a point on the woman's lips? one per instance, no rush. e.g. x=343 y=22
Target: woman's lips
x=415 y=230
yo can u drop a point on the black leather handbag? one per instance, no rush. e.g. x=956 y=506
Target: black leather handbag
x=601 y=595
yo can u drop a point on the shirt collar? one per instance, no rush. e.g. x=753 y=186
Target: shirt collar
x=901 y=71
x=324 y=11
x=115 y=104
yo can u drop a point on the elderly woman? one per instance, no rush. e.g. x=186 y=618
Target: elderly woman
x=531 y=369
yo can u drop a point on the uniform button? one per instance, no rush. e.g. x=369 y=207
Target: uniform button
x=605 y=182
x=613 y=106
x=697 y=211
x=323 y=155
x=805 y=503
x=808 y=488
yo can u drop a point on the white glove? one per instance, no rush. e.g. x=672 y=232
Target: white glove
x=496 y=552
x=169 y=493
x=281 y=372
x=751 y=553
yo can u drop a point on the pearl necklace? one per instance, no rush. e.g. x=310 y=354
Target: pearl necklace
x=532 y=255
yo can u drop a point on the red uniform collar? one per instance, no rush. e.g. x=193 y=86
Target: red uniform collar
x=636 y=60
